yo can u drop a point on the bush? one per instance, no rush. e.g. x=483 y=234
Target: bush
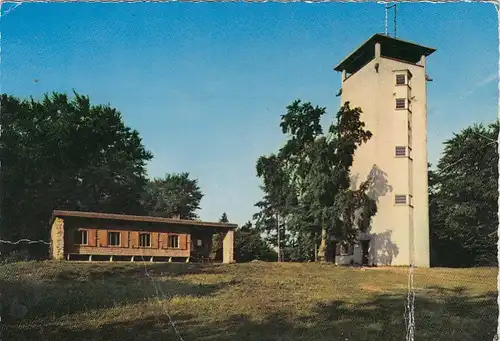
x=15 y=256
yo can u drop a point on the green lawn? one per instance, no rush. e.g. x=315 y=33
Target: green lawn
x=253 y=301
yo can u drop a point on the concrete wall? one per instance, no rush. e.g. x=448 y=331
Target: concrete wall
x=228 y=247
x=395 y=227
x=343 y=259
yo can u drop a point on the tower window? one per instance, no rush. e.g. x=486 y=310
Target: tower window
x=400 y=199
x=400 y=103
x=400 y=151
x=400 y=79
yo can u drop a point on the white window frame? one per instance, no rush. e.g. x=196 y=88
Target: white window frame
x=176 y=244
x=150 y=239
x=81 y=239
x=405 y=82
x=119 y=238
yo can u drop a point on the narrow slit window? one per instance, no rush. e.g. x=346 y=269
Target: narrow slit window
x=145 y=239
x=114 y=238
x=400 y=103
x=400 y=151
x=400 y=199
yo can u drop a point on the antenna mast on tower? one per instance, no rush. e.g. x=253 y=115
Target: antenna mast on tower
x=387 y=7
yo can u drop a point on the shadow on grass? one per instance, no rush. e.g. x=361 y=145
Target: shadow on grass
x=442 y=314
x=178 y=269
x=103 y=270
x=65 y=291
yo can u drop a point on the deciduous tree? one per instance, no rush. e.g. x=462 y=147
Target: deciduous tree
x=62 y=153
x=249 y=245
x=464 y=199
x=309 y=179
x=174 y=195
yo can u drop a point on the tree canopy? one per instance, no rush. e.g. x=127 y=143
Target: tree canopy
x=307 y=183
x=464 y=199
x=223 y=218
x=62 y=153
x=250 y=246
x=175 y=194
x=59 y=153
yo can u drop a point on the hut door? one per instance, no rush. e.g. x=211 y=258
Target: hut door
x=365 y=245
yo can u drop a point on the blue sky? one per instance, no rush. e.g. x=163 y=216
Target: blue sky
x=205 y=83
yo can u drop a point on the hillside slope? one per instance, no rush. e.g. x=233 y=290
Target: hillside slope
x=253 y=301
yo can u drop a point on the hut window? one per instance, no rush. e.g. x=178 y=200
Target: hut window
x=81 y=237
x=173 y=242
x=114 y=238
x=145 y=239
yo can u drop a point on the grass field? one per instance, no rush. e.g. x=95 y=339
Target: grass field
x=253 y=301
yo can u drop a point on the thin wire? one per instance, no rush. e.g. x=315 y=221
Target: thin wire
x=410 y=307
x=28 y=241
x=158 y=291
x=10 y=9
x=497 y=336
x=395 y=11
x=386 y=14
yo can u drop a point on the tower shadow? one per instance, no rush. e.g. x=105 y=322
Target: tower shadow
x=382 y=249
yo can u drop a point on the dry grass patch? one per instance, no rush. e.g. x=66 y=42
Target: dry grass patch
x=255 y=302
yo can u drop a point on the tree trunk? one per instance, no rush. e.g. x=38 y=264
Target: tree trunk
x=283 y=232
x=315 y=249
x=216 y=245
x=279 y=244
x=323 y=246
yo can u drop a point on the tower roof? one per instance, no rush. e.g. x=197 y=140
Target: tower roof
x=389 y=47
